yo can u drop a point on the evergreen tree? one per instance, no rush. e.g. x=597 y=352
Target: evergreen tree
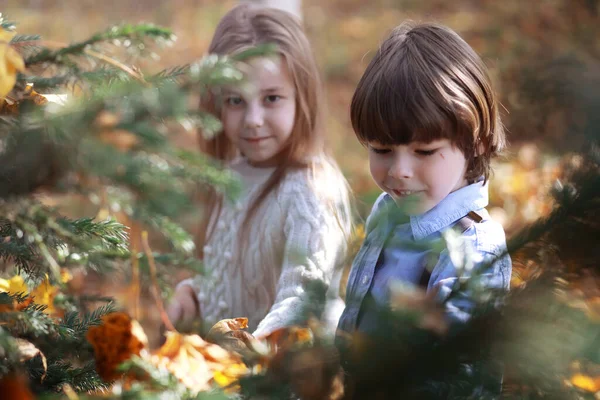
x=109 y=144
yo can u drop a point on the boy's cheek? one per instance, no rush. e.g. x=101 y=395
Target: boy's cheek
x=378 y=169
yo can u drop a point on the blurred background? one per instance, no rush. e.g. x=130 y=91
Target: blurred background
x=543 y=56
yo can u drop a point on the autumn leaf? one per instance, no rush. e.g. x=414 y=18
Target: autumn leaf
x=586 y=383
x=116 y=340
x=10 y=63
x=28 y=351
x=106 y=119
x=44 y=294
x=197 y=363
x=14 y=285
x=121 y=139
x=289 y=337
x=229 y=334
x=14 y=386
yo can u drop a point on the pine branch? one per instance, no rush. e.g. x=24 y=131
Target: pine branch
x=5 y=24
x=19 y=39
x=115 y=33
x=167 y=75
x=10 y=353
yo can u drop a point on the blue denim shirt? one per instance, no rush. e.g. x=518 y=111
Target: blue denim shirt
x=398 y=249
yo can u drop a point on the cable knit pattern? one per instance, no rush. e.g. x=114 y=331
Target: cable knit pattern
x=295 y=238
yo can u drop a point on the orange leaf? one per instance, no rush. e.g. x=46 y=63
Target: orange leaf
x=115 y=341
x=13 y=386
x=119 y=138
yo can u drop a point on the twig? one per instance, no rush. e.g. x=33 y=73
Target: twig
x=154 y=287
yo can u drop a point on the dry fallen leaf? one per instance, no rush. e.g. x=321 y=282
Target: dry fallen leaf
x=29 y=351
x=197 y=363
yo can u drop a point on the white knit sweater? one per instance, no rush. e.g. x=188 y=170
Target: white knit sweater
x=295 y=238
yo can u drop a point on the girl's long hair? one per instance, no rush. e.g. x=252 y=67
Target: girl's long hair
x=245 y=27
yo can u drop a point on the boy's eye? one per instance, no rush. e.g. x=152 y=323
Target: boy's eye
x=379 y=151
x=425 y=152
x=272 y=98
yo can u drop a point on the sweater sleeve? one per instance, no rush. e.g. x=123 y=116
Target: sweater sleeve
x=314 y=245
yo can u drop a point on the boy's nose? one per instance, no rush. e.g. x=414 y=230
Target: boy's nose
x=254 y=116
x=401 y=168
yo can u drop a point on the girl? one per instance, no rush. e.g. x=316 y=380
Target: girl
x=288 y=228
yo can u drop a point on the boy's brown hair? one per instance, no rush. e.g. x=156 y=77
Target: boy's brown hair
x=426 y=83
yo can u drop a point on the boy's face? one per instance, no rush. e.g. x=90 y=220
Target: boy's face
x=418 y=176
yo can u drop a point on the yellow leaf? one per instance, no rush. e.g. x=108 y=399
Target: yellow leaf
x=28 y=351
x=586 y=383
x=197 y=363
x=14 y=285
x=10 y=63
x=6 y=36
x=44 y=294
x=65 y=275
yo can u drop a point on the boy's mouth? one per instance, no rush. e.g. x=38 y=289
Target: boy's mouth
x=404 y=193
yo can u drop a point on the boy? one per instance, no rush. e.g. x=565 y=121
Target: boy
x=426 y=110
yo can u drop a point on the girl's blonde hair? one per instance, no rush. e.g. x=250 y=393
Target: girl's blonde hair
x=245 y=27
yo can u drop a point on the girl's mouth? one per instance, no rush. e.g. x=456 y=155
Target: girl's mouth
x=256 y=139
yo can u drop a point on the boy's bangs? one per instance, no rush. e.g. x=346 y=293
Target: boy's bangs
x=401 y=105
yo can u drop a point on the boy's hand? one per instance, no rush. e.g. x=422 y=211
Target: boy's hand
x=183 y=308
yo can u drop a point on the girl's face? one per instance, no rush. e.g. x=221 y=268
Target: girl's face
x=418 y=176
x=258 y=117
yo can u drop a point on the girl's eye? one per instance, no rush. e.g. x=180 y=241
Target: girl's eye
x=425 y=152
x=272 y=98
x=234 y=100
x=379 y=151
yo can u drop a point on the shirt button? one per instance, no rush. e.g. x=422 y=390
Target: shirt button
x=365 y=280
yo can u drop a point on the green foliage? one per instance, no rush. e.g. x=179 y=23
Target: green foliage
x=109 y=145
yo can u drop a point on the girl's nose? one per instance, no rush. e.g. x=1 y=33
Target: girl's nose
x=254 y=116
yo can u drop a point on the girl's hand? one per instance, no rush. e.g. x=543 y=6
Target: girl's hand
x=228 y=334
x=184 y=307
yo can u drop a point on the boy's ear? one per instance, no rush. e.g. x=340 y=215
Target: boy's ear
x=479 y=148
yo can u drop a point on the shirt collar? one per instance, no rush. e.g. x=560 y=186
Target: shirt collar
x=452 y=208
